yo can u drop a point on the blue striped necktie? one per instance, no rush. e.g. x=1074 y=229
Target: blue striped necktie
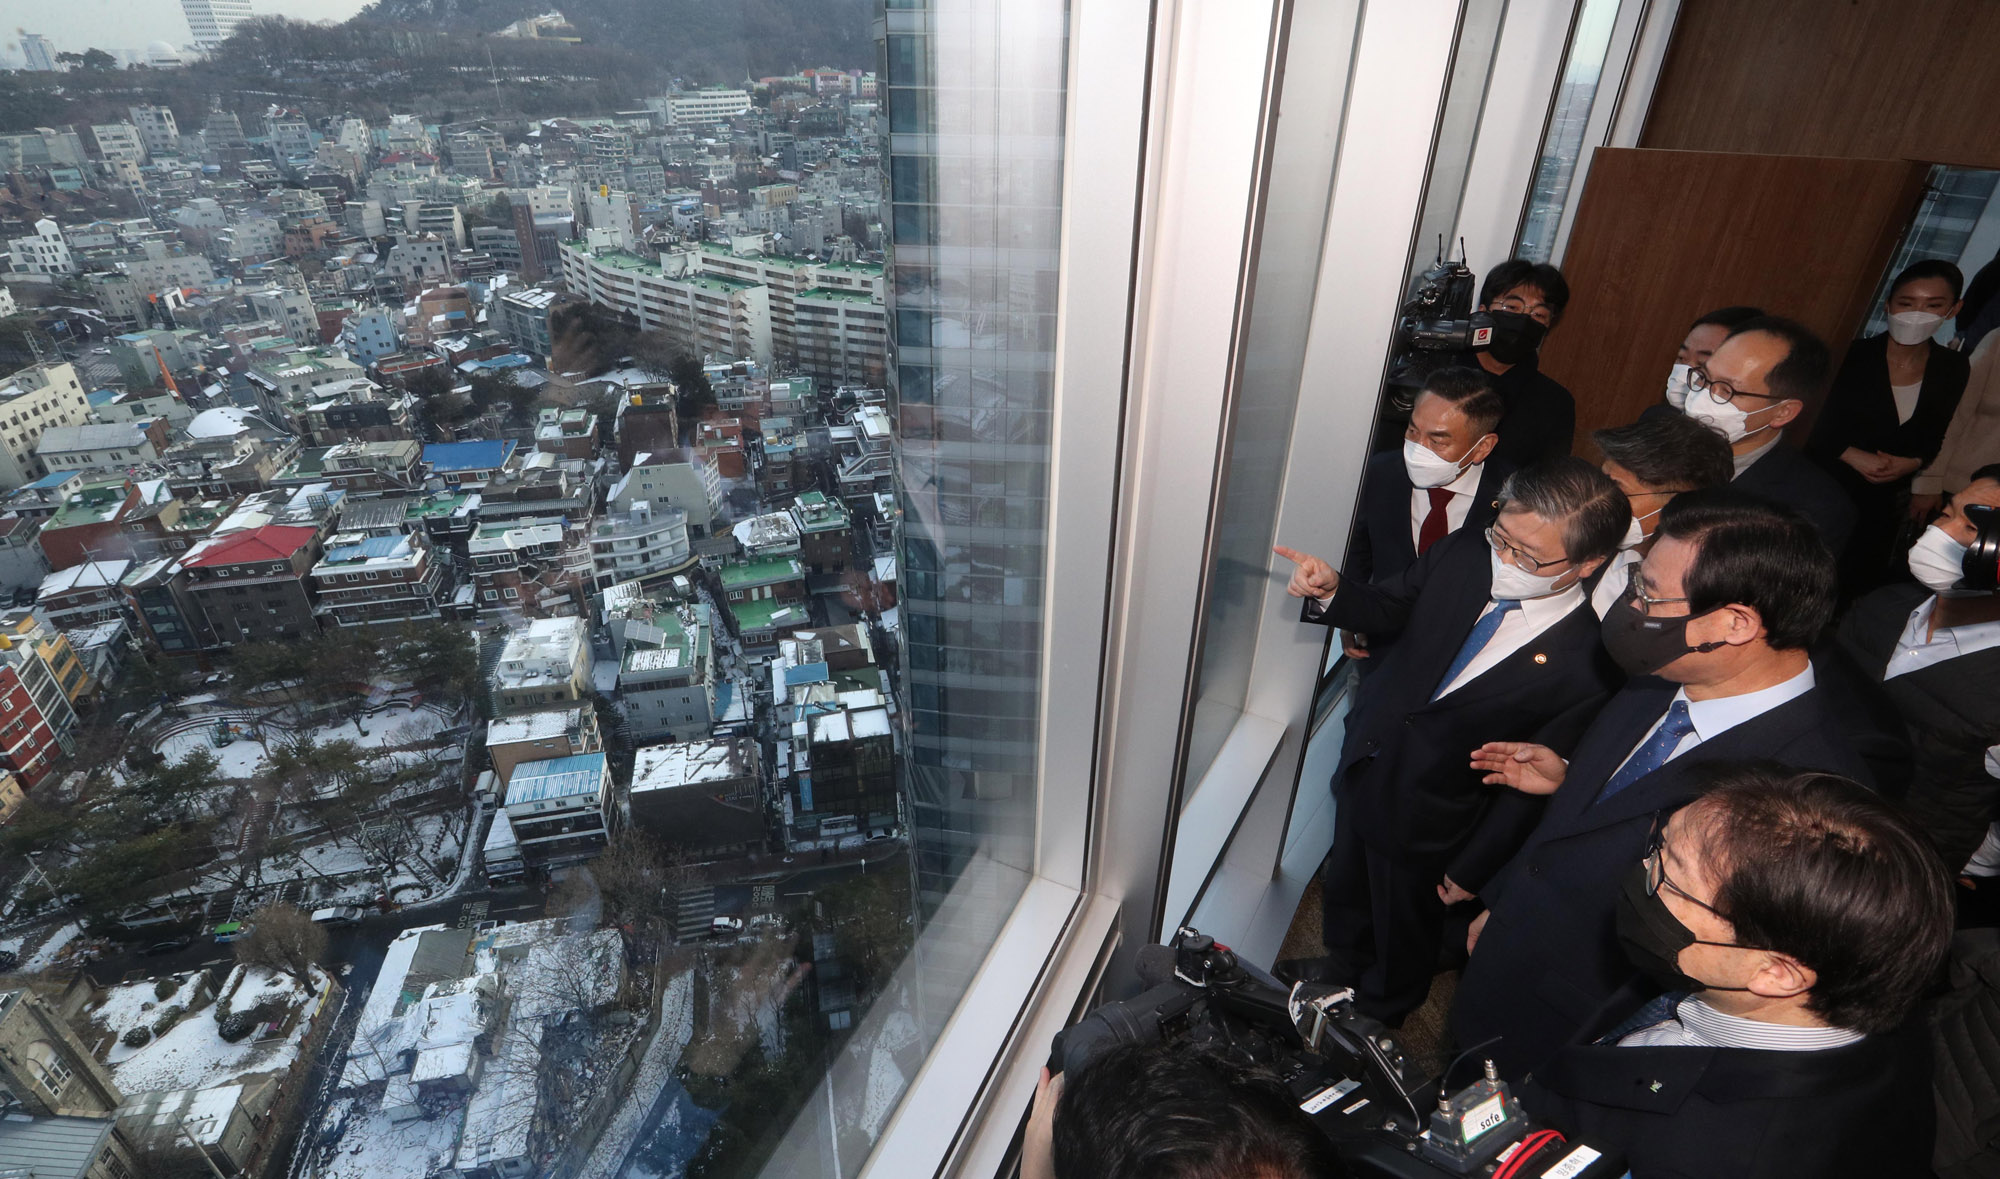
x=1653 y=754
x=1482 y=634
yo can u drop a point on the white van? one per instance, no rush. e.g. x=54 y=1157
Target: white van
x=337 y=915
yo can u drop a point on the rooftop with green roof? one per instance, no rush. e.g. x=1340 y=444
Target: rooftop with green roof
x=745 y=574
x=766 y=613
x=435 y=505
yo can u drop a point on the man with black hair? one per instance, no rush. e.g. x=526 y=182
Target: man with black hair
x=1497 y=640
x=1714 y=627
x=1933 y=647
x=1171 y=1111
x=1653 y=460
x=1793 y=922
x=1441 y=481
x=1526 y=300
x=1703 y=337
x=1755 y=385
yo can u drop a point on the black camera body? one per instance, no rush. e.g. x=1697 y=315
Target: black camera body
x=1348 y=1072
x=1435 y=323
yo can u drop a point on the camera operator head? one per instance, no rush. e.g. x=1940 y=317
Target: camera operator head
x=1451 y=426
x=1787 y=898
x=1970 y=520
x=1703 y=337
x=1757 y=382
x=1172 y=1111
x=1655 y=459
x=1526 y=300
x=1732 y=593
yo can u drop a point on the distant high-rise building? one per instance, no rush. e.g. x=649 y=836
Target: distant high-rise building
x=41 y=55
x=157 y=128
x=972 y=383
x=212 y=21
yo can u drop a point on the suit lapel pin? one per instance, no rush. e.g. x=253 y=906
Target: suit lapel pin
x=1541 y=658
x=1656 y=1086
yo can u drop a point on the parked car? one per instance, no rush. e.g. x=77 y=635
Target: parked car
x=229 y=931
x=8 y=960
x=169 y=946
x=337 y=915
x=726 y=925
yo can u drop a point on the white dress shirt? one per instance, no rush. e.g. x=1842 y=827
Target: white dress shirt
x=1694 y=1024
x=1920 y=647
x=1745 y=461
x=1714 y=717
x=1516 y=631
x=1455 y=510
x=1611 y=586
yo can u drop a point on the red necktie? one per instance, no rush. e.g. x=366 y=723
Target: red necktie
x=1435 y=524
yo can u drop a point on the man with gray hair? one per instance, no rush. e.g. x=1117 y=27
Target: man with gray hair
x=1496 y=636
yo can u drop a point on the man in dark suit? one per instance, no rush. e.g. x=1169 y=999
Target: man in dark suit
x=1794 y=921
x=1716 y=623
x=1441 y=481
x=1752 y=387
x=1526 y=300
x=1933 y=647
x=1498 y=638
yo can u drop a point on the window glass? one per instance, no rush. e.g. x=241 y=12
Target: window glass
x=1562 y=144
x=1303 y=155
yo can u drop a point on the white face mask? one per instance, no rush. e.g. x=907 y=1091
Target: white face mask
x=1913 y=327
x=1937 y=560
x=1725 y=417
x=1677 y=386
x=1517 y=584
x=1635 y=532
x=1427 y=468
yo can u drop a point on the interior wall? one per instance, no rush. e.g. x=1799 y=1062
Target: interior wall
x=1875 y=79
x=1663 y=236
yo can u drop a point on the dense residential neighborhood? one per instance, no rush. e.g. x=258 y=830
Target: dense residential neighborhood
x=448 y=615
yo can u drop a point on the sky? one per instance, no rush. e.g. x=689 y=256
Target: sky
x=117 y=25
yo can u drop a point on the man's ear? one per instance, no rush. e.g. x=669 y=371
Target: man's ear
x=1746 y=625
x=1786 y=412
x=1782 y=977
x=1482 y=448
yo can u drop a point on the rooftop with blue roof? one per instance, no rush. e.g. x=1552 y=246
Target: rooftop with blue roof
x=484 y=454
x=556 y=777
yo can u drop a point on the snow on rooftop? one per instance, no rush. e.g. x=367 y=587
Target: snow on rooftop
x=533 y=726
x=688 y=763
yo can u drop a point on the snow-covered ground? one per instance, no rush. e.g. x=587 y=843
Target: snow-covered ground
x=398 y=724
x=372 y=1147
x=239 y=759
x=50 y=951
x=133 y=1004
x=192 y=1054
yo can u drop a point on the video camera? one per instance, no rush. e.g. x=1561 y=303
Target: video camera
x=1437 y=317
x=1348 y=1072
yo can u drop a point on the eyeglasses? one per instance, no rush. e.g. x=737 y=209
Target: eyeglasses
x=1722 y=391
x=1539 y=312
x=1656 y=879
x=1521 y=556
x=1642 y=601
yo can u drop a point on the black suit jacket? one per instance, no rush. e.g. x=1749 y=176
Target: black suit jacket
x=1540 y=422
x=1382 y=546
x=1950 y=711
x=1790 y=479
x=1861 y=1110
x=1548 y=966
x=1860 y=409
x=1404 y=777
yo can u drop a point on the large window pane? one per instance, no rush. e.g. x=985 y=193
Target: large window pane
x=1563 y=146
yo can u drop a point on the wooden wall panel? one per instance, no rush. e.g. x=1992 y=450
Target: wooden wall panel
x=1866 y=79
x=1664 y=236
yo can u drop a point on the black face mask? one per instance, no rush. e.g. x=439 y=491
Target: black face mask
x=1516 y=337
x=1653 y=937
x=1641 y=644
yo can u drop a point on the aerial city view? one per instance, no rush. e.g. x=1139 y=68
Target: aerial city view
x=452 y=653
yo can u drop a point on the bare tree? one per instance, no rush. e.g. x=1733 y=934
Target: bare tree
x=285 y=940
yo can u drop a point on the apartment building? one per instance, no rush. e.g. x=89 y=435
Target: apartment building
x=32 y=401
x=546 y=662
x=540 y=736
x=252 y=585
x=372 y=581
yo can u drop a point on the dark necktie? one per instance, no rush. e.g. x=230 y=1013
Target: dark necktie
x=1436 y=523
x=1653 y=754
x=1482 y=634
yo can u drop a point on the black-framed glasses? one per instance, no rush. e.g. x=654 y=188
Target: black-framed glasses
x=1521 y=557
x=1657 y=879
x=1700 y=382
